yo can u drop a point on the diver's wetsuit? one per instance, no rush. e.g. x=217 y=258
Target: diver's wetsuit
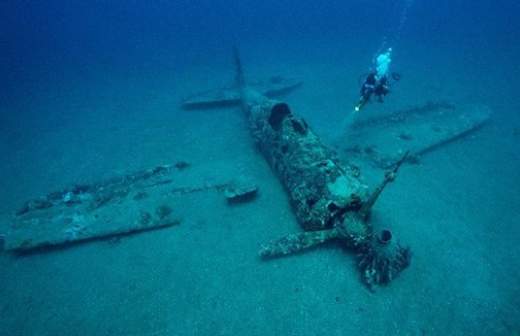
x=372 y=86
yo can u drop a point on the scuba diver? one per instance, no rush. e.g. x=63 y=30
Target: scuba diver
x=377 y=82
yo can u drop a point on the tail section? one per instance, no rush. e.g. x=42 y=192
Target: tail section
x=239 y=72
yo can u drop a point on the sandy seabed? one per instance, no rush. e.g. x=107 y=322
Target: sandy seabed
x=458 y=210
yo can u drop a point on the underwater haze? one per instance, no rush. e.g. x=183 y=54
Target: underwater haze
x=93 y=91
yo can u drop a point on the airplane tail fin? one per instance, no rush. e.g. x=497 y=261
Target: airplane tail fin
x=239 y=72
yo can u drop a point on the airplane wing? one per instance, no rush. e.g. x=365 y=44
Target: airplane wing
x=382 y=140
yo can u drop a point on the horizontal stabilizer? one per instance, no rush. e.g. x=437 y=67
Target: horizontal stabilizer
x=230 y=96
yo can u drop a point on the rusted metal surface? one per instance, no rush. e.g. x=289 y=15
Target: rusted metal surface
x=328 y=198
x=122 y=205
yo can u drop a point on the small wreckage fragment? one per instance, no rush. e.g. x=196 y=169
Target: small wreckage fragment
x=118 y=206
x=181 y=165
x=240 y=191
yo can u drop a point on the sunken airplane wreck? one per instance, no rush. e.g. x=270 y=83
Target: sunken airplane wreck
x=329 y=198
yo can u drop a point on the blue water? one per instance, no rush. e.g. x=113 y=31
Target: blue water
x=92 y=90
